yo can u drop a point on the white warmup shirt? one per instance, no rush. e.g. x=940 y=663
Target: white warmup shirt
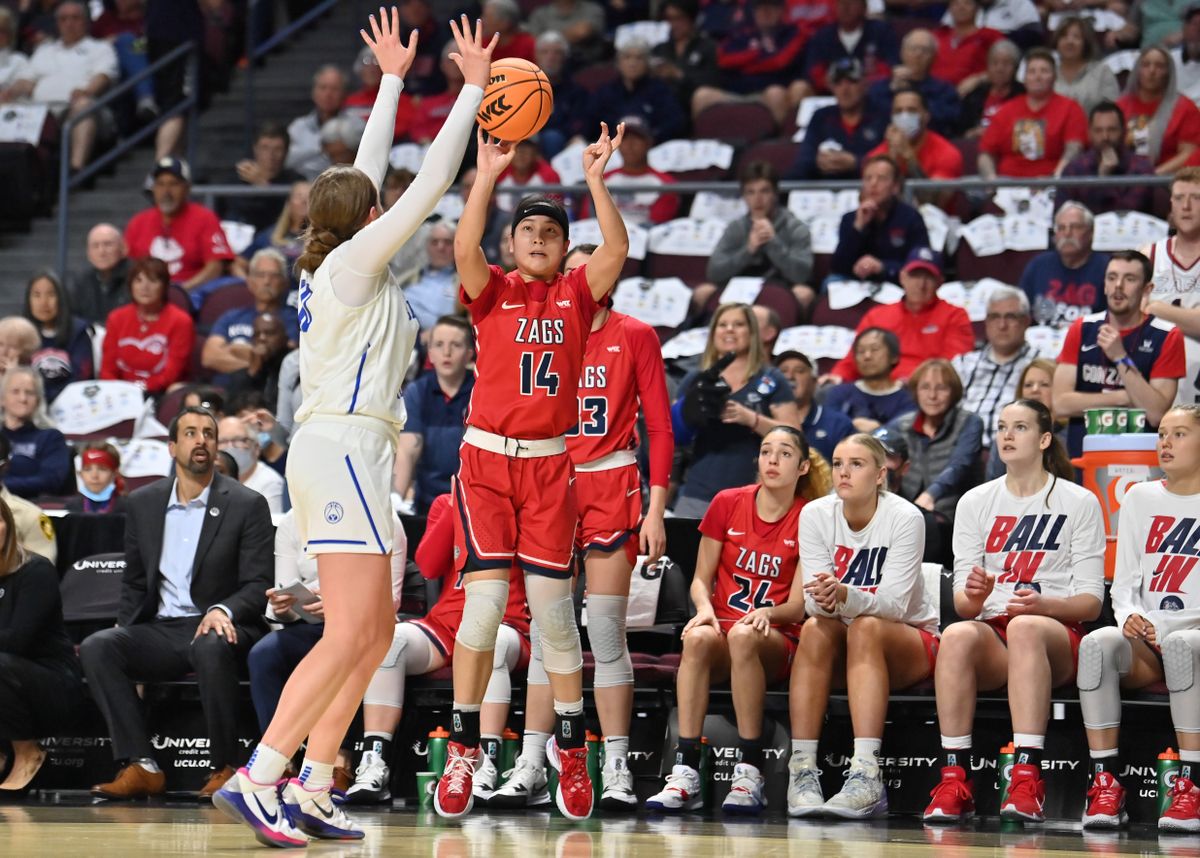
x=1175 y=284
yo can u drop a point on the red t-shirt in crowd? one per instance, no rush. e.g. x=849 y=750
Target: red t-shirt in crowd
x=156 y=354
x=1183 y=126
x=361 y=102
x=1028 y=143
x=192 y=239
x=941 y=330
x=960 y=58
x=520 y=45
x=938 y=157
x=430 y=116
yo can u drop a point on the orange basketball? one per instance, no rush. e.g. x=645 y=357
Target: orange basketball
x=517 y=102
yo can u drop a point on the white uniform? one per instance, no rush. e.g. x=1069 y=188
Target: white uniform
x=1054 y=539
x=1158 y=548
x=356 y=338
x=880 y=564
x=1175 y=284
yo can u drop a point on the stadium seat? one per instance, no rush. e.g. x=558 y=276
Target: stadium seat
x=849 y=317
x=692 y=270
x=170 y=405
x=235 y=296
x=780 y=153
x=1007 y=267
x=779 y=298
x=739 y=123
x=595 y=76
x=178 y=296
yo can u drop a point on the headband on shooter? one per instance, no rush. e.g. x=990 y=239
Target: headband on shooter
x=532 y=208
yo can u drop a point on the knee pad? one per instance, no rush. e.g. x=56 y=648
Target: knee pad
x=1104 y=657
x=482 y=612
x=537 y=670
x=505 y=655
x=550 y=602
x=606 y=632
x=395 y=653
x=1181 y=662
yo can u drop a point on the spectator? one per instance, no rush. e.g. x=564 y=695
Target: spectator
x=40 y=679
x=687 y=60
x=943 y=441
x=340 y=137
x=328 y=94
x=101 y=489
x=852 y=36
x=168 y=26
x=1067 y=282
x=184 y=234
x=1107 y=155
x=755 y=62
x=41 y=461
x=1036 y=135
x=989 y=375
x=768 y=241
x=148 y=341
x=580 y=22
x=926 y=326
x=14 y=65
x=264 y=169
x=876 y=239
x=918 y=151
x=649 y=207
x=571 y=101
x=769 y=326
x=839 y=135
x=982 y=103
x=504 y=17
x=876 y=398
x=268 y=347
x=434 y=107
x=1161 y=124
x=19 y=342
x=286 y=236
x=360 y=103
x=65 y=354
x=1151 y=22
x=123 y=25
x=35 y=530
x=917 y=53
x=962 y=47
x=1036 y=382
x=1082 y=73
x=723 y=409
x=237 y=439
x=823 y=427
x=635 y=91
x=1105 y=362
x=205 y=396
x=527 y=167
x=719 y=17
x=104 y=284
x=191 y=601
x=290 y=394
x=436 y=406
x=229 y=346
x=425 y=76
x=896 y=449
x=1020 y=20
x=434 y=292
x=1187 y=54
x=68 y=74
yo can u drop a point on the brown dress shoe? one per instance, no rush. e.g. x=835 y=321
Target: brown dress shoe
x=342 y=779
x=216 y=780
x=132 y=782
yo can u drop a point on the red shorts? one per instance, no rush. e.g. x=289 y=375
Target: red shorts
x=931 y=642
x=1075 y=633
x=791 y=635
x=442 y=637
x=509 y=507
x=610 y=507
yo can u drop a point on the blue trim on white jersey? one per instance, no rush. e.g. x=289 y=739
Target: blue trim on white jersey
x=362 y=362
x=366 y=509
x=337 y=542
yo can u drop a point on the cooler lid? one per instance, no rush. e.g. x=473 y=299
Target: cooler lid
x=1129 y=442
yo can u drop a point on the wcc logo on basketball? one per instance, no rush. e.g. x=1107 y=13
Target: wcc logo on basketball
x=1024 y=540
x=495 y=109
x=1178 y=541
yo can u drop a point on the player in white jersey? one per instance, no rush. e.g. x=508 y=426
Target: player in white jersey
x=1176 y=276
x=1156 y=602
x=356 y=334
x=871 y=623
x=1028 y=569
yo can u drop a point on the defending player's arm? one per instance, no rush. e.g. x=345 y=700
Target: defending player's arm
x=707 y=557
x=606 y=263
x=492 y=159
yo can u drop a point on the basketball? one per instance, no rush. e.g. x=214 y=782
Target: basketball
x=517 y=102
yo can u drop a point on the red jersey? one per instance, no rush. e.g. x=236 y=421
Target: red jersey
x=622 y=369
x=1029 y=143
x=758 y=558
x=957 y=57
x=1183 y=126
x=435 y=559
x=530 y=338
x=192 y=239
x=938 y=157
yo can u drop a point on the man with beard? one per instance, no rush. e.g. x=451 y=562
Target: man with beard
x=1068 y=282
x=199 y=558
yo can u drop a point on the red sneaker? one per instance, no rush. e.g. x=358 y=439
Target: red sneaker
x=1184 y=812
x=1106 y=803
x=952 y=797
x=574 y=795
x=453 y=796
x=1026 y=795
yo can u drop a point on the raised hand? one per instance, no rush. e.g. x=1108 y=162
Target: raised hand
x=493 y=155
x=393 y=56
x=473 y=57
x=595 y=156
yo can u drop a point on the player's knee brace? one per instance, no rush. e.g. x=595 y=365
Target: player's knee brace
x=1181 y=664
x=606 y=633
x=537 y=670
x=1105 y=656
x=550 y=602
x=482 y=612
x=504 y=659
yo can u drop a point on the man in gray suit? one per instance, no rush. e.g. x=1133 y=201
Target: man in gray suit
x=199 y=558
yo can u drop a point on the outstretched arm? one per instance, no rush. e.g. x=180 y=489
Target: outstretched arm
x=493 y=158
x=606 y=263
x=394 y=59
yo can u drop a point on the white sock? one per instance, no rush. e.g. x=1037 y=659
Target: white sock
x=1029 y=740
x=316 y=776
x=868 y=749
x=533 y=746
x=379 y=734
x=266 y=765
x=575 y=708
x=1112 y=752
x=616 y=748
x=1186 y=756
x=807 y=749
x=956 y=743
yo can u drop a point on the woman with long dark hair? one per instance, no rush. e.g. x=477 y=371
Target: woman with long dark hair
x=66 y=354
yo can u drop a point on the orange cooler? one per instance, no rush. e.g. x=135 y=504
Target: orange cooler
x=1110 y=465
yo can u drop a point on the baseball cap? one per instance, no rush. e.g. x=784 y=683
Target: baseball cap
x=847 y=68
x=177 y=167
x=635 y=124
x=793 y=354
x=924 y=259
x=893 y=442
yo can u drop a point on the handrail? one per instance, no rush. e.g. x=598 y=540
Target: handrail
x=187 y=52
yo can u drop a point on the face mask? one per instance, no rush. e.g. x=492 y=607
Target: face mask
x=908 y=123
x=101 y=496
x=264 y=440
x=244 y=459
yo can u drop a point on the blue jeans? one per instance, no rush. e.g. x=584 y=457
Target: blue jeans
x=132 y=58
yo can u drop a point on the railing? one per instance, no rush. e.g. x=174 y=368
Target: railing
x=184 y=53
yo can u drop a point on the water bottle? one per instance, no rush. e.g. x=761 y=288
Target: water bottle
x=1004 y=765
x=1168 y=770
x=438 y=739
x=705 y=773
x=510 y=747
x=593 y=763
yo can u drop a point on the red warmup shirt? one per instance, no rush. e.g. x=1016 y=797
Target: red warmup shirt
x=192 y=239
x=155 y=353
x=938 y=157
x=758 y=558
x=941 y=330
x=435 y=559
x=1183 y=126
x=529 y=340
x=430 y=116
x=1028 y=143
x=622 y=369
x=361 y=102
x=960 y=58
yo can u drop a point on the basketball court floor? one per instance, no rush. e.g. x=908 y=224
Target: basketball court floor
x=71 y=825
